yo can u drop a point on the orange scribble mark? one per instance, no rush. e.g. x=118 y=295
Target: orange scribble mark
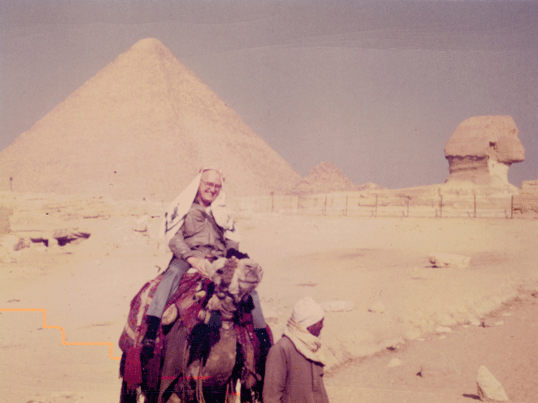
x=65 y=343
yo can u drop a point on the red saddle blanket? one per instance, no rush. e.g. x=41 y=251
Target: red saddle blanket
x=188 y=306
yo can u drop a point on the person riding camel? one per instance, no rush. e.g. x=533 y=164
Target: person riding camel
x=198 y=227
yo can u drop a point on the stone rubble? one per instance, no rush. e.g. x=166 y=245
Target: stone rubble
x=489 y=389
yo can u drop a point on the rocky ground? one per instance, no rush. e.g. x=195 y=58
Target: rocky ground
x=442 y=366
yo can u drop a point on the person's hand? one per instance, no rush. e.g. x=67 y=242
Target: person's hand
x=197 y=263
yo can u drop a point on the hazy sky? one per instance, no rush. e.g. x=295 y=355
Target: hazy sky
x=376 y=87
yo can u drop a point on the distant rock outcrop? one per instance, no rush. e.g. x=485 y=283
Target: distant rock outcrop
x=325 y=178
x=530 y=187
x=527 y=199
x=482 y=149
x=141 y=128
x=370 y=186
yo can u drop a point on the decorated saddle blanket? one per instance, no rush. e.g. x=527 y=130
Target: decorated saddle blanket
x=189 y=299
x=184 y=299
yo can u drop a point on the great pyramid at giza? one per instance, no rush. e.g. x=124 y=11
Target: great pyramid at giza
x=141 y=128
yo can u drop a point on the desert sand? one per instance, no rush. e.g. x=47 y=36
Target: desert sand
x=400 y=310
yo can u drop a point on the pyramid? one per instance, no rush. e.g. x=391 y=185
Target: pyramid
x=141 y=128
x=325 y=178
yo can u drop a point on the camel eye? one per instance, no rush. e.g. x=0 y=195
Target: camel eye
x=219 y=271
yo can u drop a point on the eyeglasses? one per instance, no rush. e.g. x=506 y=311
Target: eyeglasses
x=211 y=185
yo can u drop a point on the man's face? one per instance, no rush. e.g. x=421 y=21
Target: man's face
x=315 y=329
x=209 y=189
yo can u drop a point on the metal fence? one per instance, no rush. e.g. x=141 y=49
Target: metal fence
x=355 y=204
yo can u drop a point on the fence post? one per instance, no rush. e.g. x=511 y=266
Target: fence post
x=346 y=204
x=291 y=203
x=407 y=201
x=376 y=204
x=512 y=207
x=474 y=202
x=441 y=207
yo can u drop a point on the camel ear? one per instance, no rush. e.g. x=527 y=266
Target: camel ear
x=235 y=253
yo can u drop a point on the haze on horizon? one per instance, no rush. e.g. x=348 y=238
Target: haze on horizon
x=376 y=87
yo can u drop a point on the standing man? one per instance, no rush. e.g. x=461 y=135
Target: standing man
x=198 y=227
x=294 y=369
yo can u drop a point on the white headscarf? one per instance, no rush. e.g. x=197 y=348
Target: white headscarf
x=174 y=215
x=306 y=312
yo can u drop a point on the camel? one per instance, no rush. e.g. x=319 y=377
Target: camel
x=206 y=344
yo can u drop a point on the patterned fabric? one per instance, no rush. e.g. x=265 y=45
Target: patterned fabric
x=250 y=346
x=135 y=328
x=189 y=299
x=131 y=338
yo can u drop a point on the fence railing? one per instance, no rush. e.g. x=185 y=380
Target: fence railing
x=355 y=204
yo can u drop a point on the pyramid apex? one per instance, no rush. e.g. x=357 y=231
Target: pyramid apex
x=148 y=44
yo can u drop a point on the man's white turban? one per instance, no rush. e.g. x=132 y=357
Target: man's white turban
x=307 y=312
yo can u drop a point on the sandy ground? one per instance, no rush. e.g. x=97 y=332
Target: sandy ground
x=448 y=363
x=380 y=266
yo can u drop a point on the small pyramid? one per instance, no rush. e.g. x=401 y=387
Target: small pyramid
x=141 y=128
x=325 y=178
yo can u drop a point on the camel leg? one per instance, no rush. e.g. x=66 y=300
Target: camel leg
x=173 y=366
x=174 y=399
x=128 y=396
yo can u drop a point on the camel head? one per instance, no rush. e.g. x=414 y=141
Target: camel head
x=236 y=277
x=234 y=280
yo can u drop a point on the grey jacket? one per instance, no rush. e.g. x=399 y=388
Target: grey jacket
x=291 y=378
x=200 y=236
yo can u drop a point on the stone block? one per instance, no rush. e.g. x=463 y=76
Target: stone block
x=449 y=260
x=141 y=224
x=489 y=388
